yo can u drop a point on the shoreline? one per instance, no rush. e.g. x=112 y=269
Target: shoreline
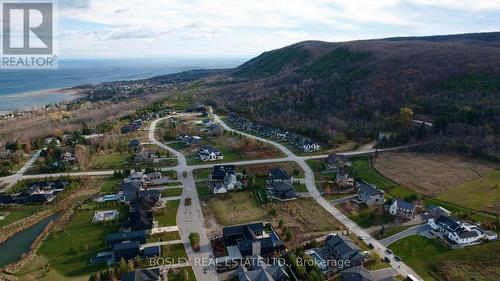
x=66 y=93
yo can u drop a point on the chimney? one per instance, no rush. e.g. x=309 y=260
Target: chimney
x=256 y=248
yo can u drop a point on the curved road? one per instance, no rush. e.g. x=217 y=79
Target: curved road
x=190 y=218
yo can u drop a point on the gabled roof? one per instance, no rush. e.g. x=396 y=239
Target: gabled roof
x=142 y=275
x=369 y=189
x=126 y=245
x=278 y=174
x=447 y=222
x=404 y=205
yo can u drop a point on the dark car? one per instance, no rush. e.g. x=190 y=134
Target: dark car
x=386 y=259
x=387 y=251
x=370 y=245
x=397 y=258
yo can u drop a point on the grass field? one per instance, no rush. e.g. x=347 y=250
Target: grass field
x=391 y=231
x=175 y=253
x=13 y=214
x=164 y=236
x=69 y=251
x=367 y=217
x=300 y=187
x=110 y=185
x=202 y=190
x=235 y=208
x=171 y=192
x=114 y=160
x=434 y=261
x=176 y=274
x=485 y=190
x=168 y=218
x=362 y=170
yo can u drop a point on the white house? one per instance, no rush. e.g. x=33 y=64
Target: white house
x=402 y=209
x=344 y=180
x=230 y=183
x=460 y=233
x=208 y=153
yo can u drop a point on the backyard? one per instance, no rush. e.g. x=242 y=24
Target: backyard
x=167 y=217
x=12 y=214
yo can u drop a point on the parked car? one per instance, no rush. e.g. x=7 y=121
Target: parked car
x=388 y=251
x=370 y=245
x=397 y=258
x=386 y=259
x=361 y=237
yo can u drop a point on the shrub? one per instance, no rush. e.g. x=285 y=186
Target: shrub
x=194 y=239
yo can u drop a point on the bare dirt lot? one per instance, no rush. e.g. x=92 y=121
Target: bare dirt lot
x=431 y=174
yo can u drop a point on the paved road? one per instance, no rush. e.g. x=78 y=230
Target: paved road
x=400 y=267
x=343 y=200
x=10 y=180
x=189 y=218
x=408 y=232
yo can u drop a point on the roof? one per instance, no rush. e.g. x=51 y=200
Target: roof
x=463 y=233
x=123 y=236
x=151 y=251
x=448 y=223
x=404 y=205
x=278 y=174
x=359 y=273
x=126 y=245
x=369 y=189
x=142 y=275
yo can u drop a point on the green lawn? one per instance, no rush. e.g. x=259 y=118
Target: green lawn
x=486 y=192
x=110 y=185
x=69 y=251
x=171 y=192
x=300 y=187
x=434 y=261
x=164 y=236
x=168 y=218
x=17 y=213
x=174 y=252
x=177 y=275
x=362 y=170
x=317 y=165
x=391 y=231
x=367 y=217
x=113 y=160
x=201 y=173
x=202 y=190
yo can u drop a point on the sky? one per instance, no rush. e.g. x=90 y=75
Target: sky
x=243 y=29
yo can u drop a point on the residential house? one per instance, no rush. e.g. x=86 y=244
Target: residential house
x=131 y=189
x=153 y=274
x=119 y=237
x=68 y=157
x=402 y=209
x=343 y=180
x=141 y=213
x=370 y=195
x=277 y=175
x=188 y=139
x=282 y=191
x=457 y=232
x=126 y=250
x=209 y=153
x=342 y=249
x=48 y=141
x=207 y=122
x=229 y=183
x=252 y=239
x=135 y=145
x=219 y=172
x=336 y=162
x=214 y=130
x=260 y=271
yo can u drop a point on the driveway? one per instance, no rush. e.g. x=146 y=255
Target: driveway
x=405 y=233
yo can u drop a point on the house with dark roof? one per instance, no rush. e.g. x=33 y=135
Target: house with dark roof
x=152 y=274
x=336 y=163
x=119 y=237
x=253 y=239
x=258 y=270
x=209 y=153
x=282 y=190
x=370 y=195
x=455 y=231
x=402 y=209
x=342 y=249
x=277 y=175
x=126 y=250
x=135 y=145
x=131 y=189
x=219 y=172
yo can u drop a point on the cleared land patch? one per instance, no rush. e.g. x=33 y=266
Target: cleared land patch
x=430 y=174
x=480 y=194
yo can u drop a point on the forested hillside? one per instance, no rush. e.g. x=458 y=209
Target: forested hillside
x=334 y=91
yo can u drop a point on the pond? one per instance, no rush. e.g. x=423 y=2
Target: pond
x=20 y=243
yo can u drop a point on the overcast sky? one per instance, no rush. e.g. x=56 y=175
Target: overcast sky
x=241 y=29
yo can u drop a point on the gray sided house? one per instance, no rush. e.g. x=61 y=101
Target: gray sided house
x=260 y=271
x=277 y=175
x=335 y=162
x=342 y=249
x=370 y=195
x=282 y=190
x=402 y=209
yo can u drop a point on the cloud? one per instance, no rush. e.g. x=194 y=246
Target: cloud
x=264 y=24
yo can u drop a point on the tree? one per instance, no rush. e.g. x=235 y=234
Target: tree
x=122 y=265
x=27 y=147
x=130 y=266
x=405 y=116
x=82 y=157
